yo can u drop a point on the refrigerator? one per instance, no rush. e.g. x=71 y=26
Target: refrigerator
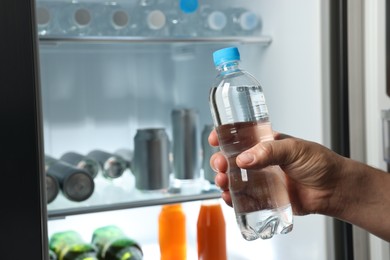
x=66 y=91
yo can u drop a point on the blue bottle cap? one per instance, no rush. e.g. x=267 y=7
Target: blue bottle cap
x=226 y=54
x=188 y=6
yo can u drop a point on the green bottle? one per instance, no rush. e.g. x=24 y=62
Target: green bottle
x=52 y=255
x=113 y=244
x=69 y=245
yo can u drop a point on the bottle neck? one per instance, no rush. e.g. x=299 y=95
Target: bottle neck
x=228 y=67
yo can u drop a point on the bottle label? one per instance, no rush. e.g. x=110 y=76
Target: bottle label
x=257 y=99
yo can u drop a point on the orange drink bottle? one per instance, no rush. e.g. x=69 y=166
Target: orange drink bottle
x=211 y=231
x=172 y=232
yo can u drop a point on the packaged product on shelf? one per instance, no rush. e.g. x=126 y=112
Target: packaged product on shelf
x=212 y=22
x=242 y=22
x=69 y=245
x=76 y=184
x=52 y=187
x=114 y=19
x=46 y=12
x=81 y=161
x=152 y=18
x=112 y=244
x=112 y=165
x=211 y=231
x=77 y=18
x=172 y=232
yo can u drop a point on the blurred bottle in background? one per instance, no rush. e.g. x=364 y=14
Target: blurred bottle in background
x=76 y=184
x=69 y=245
x=242 y=22
x=46 y=17
x=77 y=18
x=152 y=17
x=183 y=18
x=81 y=161
x=52 y=187
x=112 y=165
x=211 y=231
x=114 y=19
x=172 y=232
x=52 y=255
x=212 y=22
x=113 y=244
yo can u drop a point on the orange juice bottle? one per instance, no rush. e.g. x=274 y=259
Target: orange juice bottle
x=172 y=232
x=211 y=231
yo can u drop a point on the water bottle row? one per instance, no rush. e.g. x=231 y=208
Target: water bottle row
x=107 y=243
x=147 y=18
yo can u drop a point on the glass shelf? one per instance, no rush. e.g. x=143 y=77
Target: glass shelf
x=264 y=40
x=61 y=207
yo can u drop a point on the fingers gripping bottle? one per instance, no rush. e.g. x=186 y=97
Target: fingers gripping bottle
x=240 y=114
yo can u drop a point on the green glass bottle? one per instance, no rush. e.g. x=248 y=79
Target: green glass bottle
x=68 y=245
x=52 y=255
x=113 y=244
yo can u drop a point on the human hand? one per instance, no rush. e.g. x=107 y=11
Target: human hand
x=313 y=171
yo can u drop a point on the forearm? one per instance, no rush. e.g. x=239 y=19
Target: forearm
x=364 y=198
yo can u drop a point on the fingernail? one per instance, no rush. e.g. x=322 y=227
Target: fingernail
x=246 y=158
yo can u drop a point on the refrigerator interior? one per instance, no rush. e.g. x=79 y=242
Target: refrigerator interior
x=96 y=95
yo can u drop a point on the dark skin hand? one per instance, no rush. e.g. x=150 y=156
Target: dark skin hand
x=319 y=181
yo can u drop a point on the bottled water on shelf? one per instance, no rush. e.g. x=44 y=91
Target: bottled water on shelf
x=45 y=15
x=152 y=18
x=77 y=18
x=114 y=20
x=242 y=21
x=212 y=22
x=183 y=18
x=241 y=118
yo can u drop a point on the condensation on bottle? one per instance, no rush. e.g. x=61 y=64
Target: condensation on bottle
x=241 y=118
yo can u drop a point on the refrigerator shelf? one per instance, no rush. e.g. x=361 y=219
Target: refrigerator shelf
x=264 y=40
x=148 y=200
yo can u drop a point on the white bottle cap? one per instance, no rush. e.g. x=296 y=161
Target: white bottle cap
x=156 y=20
x=248 y=21
x=217 y=20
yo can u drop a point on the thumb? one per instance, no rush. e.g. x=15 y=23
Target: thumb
x=279 y=152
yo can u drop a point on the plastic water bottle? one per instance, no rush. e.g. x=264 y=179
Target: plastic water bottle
x=115 y=20
x=242 y=21
x=152 y=18
x=77 y=19
x=212 y=22
x=183 y=18
x=241 y=119
x=45 y=12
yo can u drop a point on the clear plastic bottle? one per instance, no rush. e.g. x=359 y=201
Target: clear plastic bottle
x=113 y=19
x=152 y=18
x=241 y=118
x=242 y=21
x=213 y=22
x=183 y=18
x=77 y=19
x=46 y=13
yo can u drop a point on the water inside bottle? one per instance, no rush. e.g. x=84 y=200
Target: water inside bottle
x=259 y=196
